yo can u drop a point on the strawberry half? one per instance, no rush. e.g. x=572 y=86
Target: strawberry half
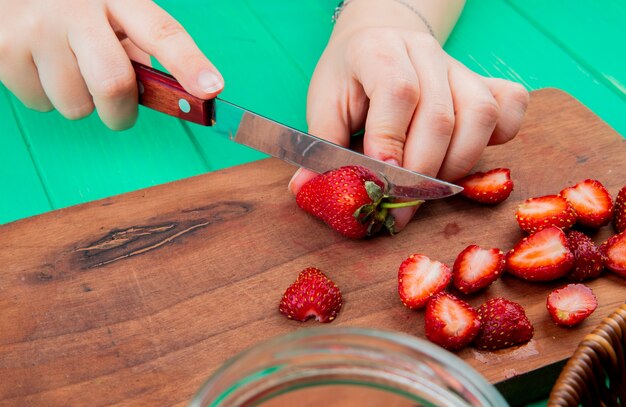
x=450 y=322
x=541 y=256
x=503 y=323
x=619 y=210
x=537 y=213
x=489 y=187
x=570 y=305
x=614 y=253
x=591 y=201
x=587 y=258
x=420 y=278
x=351 y=200
x=476 y=268
x=312 y=295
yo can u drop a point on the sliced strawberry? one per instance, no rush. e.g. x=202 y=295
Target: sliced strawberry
x=312 y=295
x=535 y=214
x=570 y=305
x=587 y=258
x=619 y=210
x=450 y=322
x=591 y=201
x=476 y=268
x=489 y=187
x=541 y=256
x=503 y=323
x=614 y=254
x=419 y=278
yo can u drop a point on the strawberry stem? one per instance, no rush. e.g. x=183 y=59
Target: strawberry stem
x=391 y=205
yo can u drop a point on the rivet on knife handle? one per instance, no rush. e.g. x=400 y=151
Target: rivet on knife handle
x=161 y=92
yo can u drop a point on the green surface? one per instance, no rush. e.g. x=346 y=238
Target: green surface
x=267 y=52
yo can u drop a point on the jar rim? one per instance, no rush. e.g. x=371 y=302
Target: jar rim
x=414 y=343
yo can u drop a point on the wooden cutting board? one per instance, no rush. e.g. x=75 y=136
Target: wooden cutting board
x=137 y=299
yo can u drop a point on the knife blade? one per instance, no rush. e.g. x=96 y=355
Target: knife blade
x=161 y=92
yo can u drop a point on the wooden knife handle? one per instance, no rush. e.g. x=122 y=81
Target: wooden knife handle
x=161 y=92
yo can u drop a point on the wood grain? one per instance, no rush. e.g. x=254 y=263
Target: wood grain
x=137 y=299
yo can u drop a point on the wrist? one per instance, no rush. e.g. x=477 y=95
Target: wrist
x=435 y=17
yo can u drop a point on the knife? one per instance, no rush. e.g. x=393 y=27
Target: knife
x=161 y=92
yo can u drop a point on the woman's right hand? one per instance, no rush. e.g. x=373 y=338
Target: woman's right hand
x=74 y=55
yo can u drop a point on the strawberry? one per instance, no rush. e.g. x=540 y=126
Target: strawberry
x=311 y=295
x=450 y=322
x=614 y=253
x=619 y=210
x=420 y=278
x=489 y=187
x=541 y=256
x=591 y=201
x=587 y=258
x=476 y=268
x=503 y=323
x=570 y=305
x=351 y=200
x=537 y=213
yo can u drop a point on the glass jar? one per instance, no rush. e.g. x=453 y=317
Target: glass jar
x=346 y=367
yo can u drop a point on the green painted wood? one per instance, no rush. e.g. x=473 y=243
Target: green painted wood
x=21 y=191
x=82 y=160
x=587 y=30
x=492 y=38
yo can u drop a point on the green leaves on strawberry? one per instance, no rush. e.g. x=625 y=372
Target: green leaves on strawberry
x=351 y=200
x=503 y=324
x=312 y=295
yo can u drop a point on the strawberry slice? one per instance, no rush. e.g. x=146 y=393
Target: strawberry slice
x=537 y=213
x=591 y=201
x=588 y=261
x=619 y=210
x=570 y=305
x=489 y=187
x=541 y=256
x=503 y=324
x=312 y=295
x=614 y=253
x=450 y=322
x=420 y=278
x=476 y=268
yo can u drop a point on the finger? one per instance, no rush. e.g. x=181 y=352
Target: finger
x=391 y=84
x=513 y=100
x=135 y=53
x=107 y=72
x=476 y=115
x=19 y=74
x=432 y=125
x=61 y=78
x=160 y=35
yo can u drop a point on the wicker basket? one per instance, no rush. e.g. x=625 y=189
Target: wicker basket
x=595 y=375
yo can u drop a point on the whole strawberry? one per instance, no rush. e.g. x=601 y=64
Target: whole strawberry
x=619 y=210
x=503 y=323
x=351 y=200
x=312 y=295
x=588 y=261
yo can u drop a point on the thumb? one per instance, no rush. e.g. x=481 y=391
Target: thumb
x=156 y=32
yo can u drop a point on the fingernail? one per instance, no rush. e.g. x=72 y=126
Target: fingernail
x=293 y=178
x=209 y=81
x=392 y=161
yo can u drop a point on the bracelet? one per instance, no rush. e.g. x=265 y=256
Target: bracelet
x=342 y=4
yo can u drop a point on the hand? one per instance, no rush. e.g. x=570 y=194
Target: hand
x=420 y=108
x=73 y=55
